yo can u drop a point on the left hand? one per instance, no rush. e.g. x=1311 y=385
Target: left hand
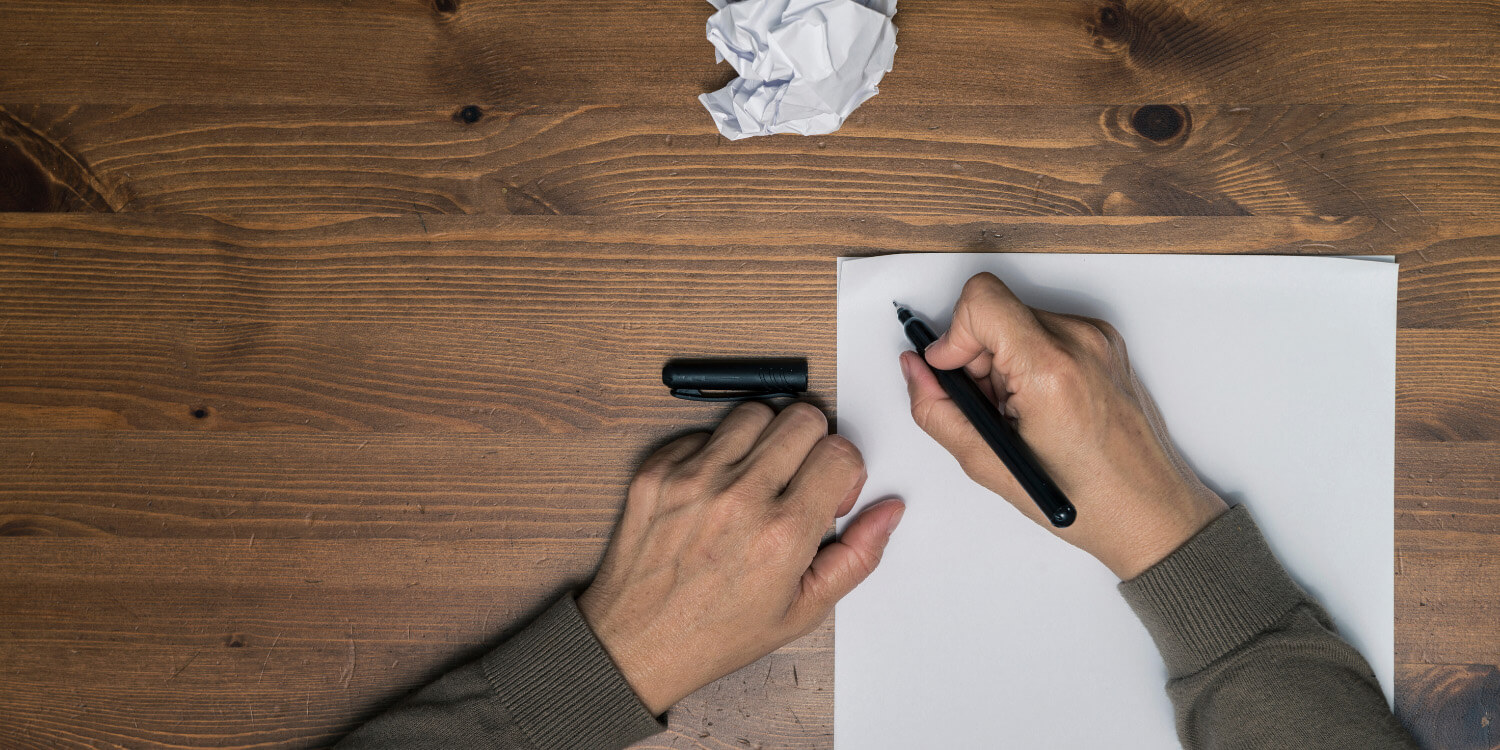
x=716 y=561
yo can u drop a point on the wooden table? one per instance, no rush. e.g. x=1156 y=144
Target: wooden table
x=331 y=332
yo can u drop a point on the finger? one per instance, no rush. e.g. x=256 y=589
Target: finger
x=736 y=435
x=829 y=480
x=991 y=383
x=785 y=443
x=940 y=418
x=980 y=370
x=844 y=564
x=648 y=478
x=848 y=503
x=979 y=367
x=678 y=450
x=988 y=318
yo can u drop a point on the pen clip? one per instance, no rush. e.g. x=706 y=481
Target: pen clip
x=694 y=394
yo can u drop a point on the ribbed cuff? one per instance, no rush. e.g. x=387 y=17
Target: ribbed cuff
x=1216 y=592
x=565 y=693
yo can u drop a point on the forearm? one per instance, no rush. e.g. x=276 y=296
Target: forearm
x=552 y=686
x=1253 y=661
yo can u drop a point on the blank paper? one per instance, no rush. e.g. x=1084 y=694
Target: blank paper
x=1276 y=377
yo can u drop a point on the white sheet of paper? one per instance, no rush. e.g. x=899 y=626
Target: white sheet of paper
x=1276 y=377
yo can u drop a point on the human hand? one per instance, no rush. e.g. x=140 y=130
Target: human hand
x=1080 y=408
x=716 y=561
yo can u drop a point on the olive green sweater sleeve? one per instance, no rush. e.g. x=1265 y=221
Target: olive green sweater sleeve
x=1252 y=660
x=552 y=686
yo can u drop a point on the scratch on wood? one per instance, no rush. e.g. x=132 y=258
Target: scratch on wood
x=348 y=673
x=270 y=650
x=1340 y=183
x=1413 y=203
x=184 y=665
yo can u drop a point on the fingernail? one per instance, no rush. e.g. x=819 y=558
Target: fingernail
x=906 y=367
x=853 y=493
x=895 y=519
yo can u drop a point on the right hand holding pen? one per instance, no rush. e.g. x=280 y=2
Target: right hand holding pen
x=1078 y=405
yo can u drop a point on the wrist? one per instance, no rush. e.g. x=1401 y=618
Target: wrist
x=644 y=678
x=1163 y=535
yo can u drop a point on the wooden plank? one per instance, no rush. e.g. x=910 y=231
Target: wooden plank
x=1447 y=496
x=464 y=326
x=552 y=374
x=133 y=643
x=527 y=52
x=1447 y=605
x=926 y=162
x=1445 y=384
x=519 y=269
x=519 y=485
x=555 y=371
x=257 y=486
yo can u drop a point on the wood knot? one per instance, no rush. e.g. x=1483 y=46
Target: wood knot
x=468 y=115
x=1159 y=122
x=200 y=413
x=1158 y=34
x=38 y=174
x=445 y=7
x=1110 y=22
x=234 y=640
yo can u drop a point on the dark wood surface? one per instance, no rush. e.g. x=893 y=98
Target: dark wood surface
x=312 y=387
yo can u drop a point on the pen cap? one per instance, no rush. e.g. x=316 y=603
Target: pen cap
x=747 y=375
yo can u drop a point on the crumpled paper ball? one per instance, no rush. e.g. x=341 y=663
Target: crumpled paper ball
x=804 y=65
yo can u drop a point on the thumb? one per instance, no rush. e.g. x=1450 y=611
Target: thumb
x=843 y=564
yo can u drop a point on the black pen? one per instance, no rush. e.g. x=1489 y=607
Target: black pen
x=992 y=426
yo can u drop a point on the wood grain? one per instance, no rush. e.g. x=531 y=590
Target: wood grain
x=136 y=643
x=1453 y=706
x=575 y=373
x=1447 y=496
x=530 y=52
x=350 y=380
x=231 y=428
x=933 y=162
x=590 y=271
x=517 y=486
x=1449 y=605
x=243 y=486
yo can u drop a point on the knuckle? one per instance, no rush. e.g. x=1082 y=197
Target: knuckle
x=1060 y=372
x=984 y=290
x=841 y=454
x=1111 y=334
x=781 y=535
x=689 y=480
x=750 y=487
x=921 y=413
x=1094 y=340
x=805 y=416
x=980 y=284
x=649 y=478
x=754 y=409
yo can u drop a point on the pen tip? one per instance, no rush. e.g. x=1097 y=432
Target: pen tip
x=896 y=304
